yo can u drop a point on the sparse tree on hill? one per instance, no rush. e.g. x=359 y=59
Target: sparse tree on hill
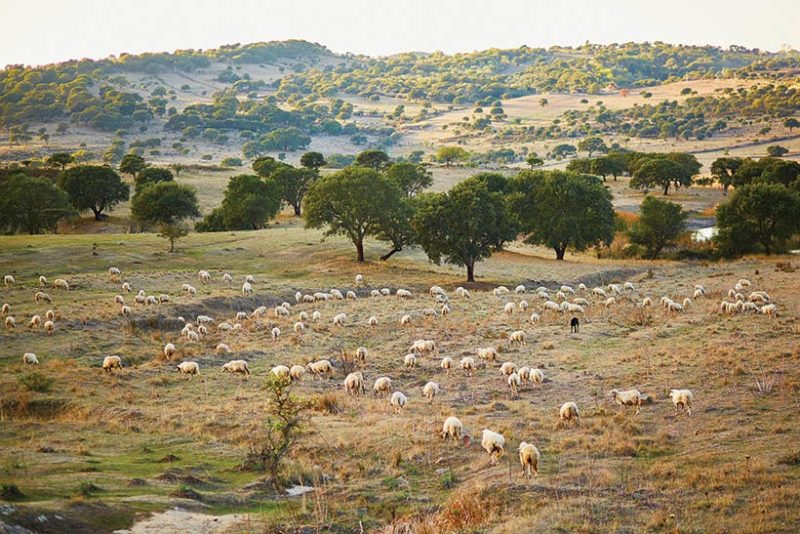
x=165 y=205
x=95 y=188
x=132 y=164
x=791 y=123
x=312 y=160
x=373 y=158
x=152 y=175
x=534 y=161
x=293 y=184
x=660 y=223
x=723 y=170
x=564 y=150
x=592 y=144
x=410 y=177
x=450 y=154
x=777 y=151
x=661 y=172
x=266 y=165
x=248 y=204
x=60 y=159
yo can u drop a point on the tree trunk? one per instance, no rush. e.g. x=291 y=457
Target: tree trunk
x=471 y=272
x=297 y=210
x=666 y=188
x=96 y=214
x=360 y=250
x=172 y=244
x=560 y=252
x=390 y=253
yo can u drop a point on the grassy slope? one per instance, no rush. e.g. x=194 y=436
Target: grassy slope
x=650 y=471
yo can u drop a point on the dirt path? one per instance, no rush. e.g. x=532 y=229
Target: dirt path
x=183 y=521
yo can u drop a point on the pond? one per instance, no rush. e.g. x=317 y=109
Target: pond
x=704 y=234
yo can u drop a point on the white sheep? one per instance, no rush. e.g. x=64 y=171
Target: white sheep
x=569 y=413
x=221 y=349
x=405 y=320
x=321 y=367
x=227 y=278
x=11 y=323
x=236 y=366
x=534 y=318
x=42 y=281
x=126 y=287
x=682 y=398
x=250 y=279
x=445 y=310
x=582 y=287
x=6 y=308
x=403 y=294
x=386 y=291
x=488 y=353
x=446 y=364
x=424 y=346
x=41 y=296
x=580 y=301
x=49 y=327
x=514 y=382
x=610 y=301
x=298 y=327
x=453 y=429
x=9 y=280
x=552 y=306
x=687 y=303
x=281 y=371
x=567 y=289
x=30 y=358
x=337 y=294
x=429 y=312
x=340 y=319
x=467 y=364
x=192 y=291
x=615 y=288
x=247 y=289
x=188 y=368
x=276 y=333
x=698 y=293
x=631 y=397
x=509 y=308
x=430 y=390
x=296 y=372
x=351 y=295
x=354 y=384
x=316 y=316
x=492 y=443
x=281 y=311
x=361 y=354
x=410 y=360
x=744 y=282
x=112 y=362
x=125 y=310
x=519 y=290
x=647 y=301
x=536 y=376
x=398 y=401
x=194 y=336
x=372 y=321
x=770 y=310
x=508 y=368
x=524 y=373
x=529 y=458
x=517 y=337
x=382 y=385
x=501 y=290
x=359 y=280
x=60 y=283
x=599 y=292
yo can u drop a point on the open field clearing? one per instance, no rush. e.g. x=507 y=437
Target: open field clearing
x=98 y=451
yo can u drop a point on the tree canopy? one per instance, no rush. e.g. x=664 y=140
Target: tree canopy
x=373 y=158
x=152 y=175
x=312 y=160
x=132 y=164
x=293 y=184
x=248 y=204
x=450 y=154
x=660 y=223
x=94 y=188
x=412 y=178
x=661 y=172
x=32 y=205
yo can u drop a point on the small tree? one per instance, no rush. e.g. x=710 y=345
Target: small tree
x=564 y=150
x=94 y=188
x=32 y=205
x=592 y=144
x=312 y=160
x=374 y=159
x=410 y=177
x=777 y=151
x=660 y=222
x=132 y=164
x=450 y=154
x=60 y=159
x=165 y=205
x=396 y=228
x=661 y=172
x=534 y=161
x=266 y=165
x=248 y=204
x=791 y=123
x=293 y=184
x=723 y=170
x=152 y=175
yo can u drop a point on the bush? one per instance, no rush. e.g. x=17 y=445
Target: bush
x=11 y=492
x=36 y=382
x=231 y=162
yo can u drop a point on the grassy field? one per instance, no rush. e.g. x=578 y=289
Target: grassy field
x=93 y=452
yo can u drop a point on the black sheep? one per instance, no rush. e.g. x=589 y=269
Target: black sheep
x=574 y=325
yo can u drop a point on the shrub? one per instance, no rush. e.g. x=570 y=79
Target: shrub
x=11 y=492
x=36 y=382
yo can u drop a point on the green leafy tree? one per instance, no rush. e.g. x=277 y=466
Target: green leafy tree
x=723 y=170
x=562 y=209
x=353 y=202
x=152 y=175
x=396 y=227
x=410 y=177
x=463 y=226
x=312 y=160
x=165 y=205
x=534 y=161
x=564 y=150
x=32 y=205
x=607 y=165
x=266 y=165
x=661 y=172
x=777 y=151
x=660 y=223
x=60 y=159
x=450 y=154
x=373 y=158
x=758 y=214
x=95 y=188
x=592 y=144
x=791 y=123
x=293 y=184
x=132 y=164
x=249 y=203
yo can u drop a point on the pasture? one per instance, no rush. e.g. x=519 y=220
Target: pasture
x=97 y=451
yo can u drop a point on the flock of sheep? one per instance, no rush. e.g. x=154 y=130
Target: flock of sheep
x=565 y=300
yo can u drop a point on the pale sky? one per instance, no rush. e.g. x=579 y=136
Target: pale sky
x=45 y=31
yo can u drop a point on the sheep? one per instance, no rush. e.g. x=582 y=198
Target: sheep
x=247 y=289
x=529 y=458
x=337 y=294
x=280 y=311
x=309 y=298
x=566 y=289
x=508 y=368
x=492 y=443
x=536 y=376
x=227 y=278
x=41 y=296
x=316 y=316
x=9 y=280
x=374 y=293
x=276 y=333
x=514 y=382
x=241 y=316
x=192 y=291
x=236 y=366
x=628 y=286
x=445 y=310
x=361 y=354
x=519 y=290
x=119 y=299
x=561 y=296
x=140 y=299
x=770 y=310
x=35 y=322
x=569 y=413
x=322 y=367
x=687 y=303
x=430 y=390
x=296 y=372
x=359 y=280
x=631 y=397
x=114 y=273
x=534 y=318
x=427 y=346
x=382 y=385
x=488 y=353
x=467 y=364
x=580 y=301
x=429 y=312
x=453 y=428
x=460 y=291
x=572 y=308
x=509 y=308
x=751 y=307
x=339 y=319
x=125 y=310
x=610 y=301
x=553 y=306
x=403 y=294
x=30 y=358
x=615 y=288
x=398 y=401
x=151 y=300
x=410 y=360
x=354 y=384
x=466 y=294
x=501 y=290
x=112 y=362
x=11 y=323
x=194 y=336
x=599 y=292
x=446 y=364
x=60 y=283
x=727 y=307
x=682 y=398
x=386 y=291
x=188 y=368
x=405 y=320
x=582 y=287
x=698 y=293
x=744 y=282
x=221 y=349
x=647 y=301
x=281 y=371
x=675 y=307
x=250 y=279
x=6 y=309
x=126 y=287
x=574 y=325
x=319 y=296
x=372 y=321
x=298 y=327
x=204 y=276
x=759 y=296
x=42 y=281
x=49 y=327
x=517 y=337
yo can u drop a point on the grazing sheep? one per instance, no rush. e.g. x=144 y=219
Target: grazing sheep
x=405 y=320
x=445 y=310
x=426 y=346
x=581 y=302
x=6 y=309
x=337 y=294
x=351 y=295
x=759 y=296
x=536 y=376
x=169 y=350
x=382 y=385
x=227 y=278
x=11 y=323
x=430 y=390
x=514 y=382
x=687 y=303
x=675 y=307
x=322 y=367
x=372 y=321
x=574 y=325
x=151 y=300
x=309 y=298
x=501 y=290
x=488 y=353
x=361 y=354
x=519 y=290
x=354 y=384
x=316 y=316
x=42 y=281
x=60 y=283
x=340 y=319
x=192 y=291
x=386 y=291
x=529 y=458
x=410 y=360
x=517 y=337
x=534 y=318
x=49 y=327
x=36 y=321
x=468 y=365
x=567 y=289
x=553 y=306
x=403 y=294
x=631 y=397
x=429 y=312
x=751 y=307
x=453 y=428
x=647 y=301
x=296 y=372
x=41 y=296
x=572 y=308
x=466 y=294
x=298 y=327
x=446 y=364
x=119 y=299
x=524 y=373
x=610 y=301
x=250 y=279
x=615 y=288
x=682 y=398
x=30 y=358
x=195 y=336
x=508 y=368
x=582 y=287
x=628 y=286
x=509 y=308
x=698 y=293
x=492 y=443
x=398 y=401
x=569 y=413
x=221 y=349
x=359 y=280
x=374 y=293
x=281 y=371
x=247 y=289
x=236 y=366
x=114 y=273
x=280 y=311
x=744 y=282
x=770 y=310
x=126 y=287
x=9 y=280
x=125 y=310
x=204 y=276
x=599 y=292
x=50 y=315
x=112 y=362
x=276 y=333
x=188 y=368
